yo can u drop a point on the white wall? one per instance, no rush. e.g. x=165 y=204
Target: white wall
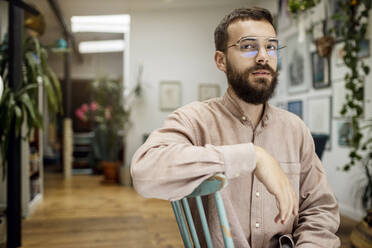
x=346 y=185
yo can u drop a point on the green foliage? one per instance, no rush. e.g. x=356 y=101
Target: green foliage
x=112 y=116
x=19 y=105
x=297 y=6
x=354 y=19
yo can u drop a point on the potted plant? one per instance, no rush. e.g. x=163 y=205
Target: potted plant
x=20 y=105
x=110 y=113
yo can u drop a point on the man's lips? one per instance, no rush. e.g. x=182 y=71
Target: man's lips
x=261 y=72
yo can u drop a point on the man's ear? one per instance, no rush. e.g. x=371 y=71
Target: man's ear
x=220 y=59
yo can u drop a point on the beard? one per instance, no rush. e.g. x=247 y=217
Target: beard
x=257 y=92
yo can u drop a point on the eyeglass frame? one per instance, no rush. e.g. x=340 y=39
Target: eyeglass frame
x=255 y=38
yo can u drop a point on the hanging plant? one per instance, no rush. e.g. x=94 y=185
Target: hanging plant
x=297 y=6
x=354 y=19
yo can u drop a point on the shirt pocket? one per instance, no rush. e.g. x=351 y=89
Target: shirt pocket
x=292 y=170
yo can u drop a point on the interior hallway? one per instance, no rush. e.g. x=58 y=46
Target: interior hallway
x=83 y=212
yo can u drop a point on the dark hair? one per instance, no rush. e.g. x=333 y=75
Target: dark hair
x=255 y=13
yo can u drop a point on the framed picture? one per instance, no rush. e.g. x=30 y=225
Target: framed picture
x=364 y=49
x=368 y=99
x=295 y=107
x=338 y=68
x=319 y=116
x=281 y=104
x=320 y=70
x=345 y=133
x=170 y=95
x=298 y=65
x=208 y=91
x=335 y=8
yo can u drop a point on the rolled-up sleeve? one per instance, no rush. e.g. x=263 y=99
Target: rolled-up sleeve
x=318 y=218
x=170 y=164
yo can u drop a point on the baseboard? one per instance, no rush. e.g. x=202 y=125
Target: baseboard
x=355 y=214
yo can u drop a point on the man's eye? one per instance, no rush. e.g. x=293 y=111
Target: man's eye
x=247 y=46
x=271 y=47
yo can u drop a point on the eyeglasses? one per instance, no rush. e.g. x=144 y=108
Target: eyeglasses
x=249 y=46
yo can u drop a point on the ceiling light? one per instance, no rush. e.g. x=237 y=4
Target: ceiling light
x=101 y=24
x=104 y=46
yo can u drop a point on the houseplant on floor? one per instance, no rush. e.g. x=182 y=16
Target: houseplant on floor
x=21 y=104
x=110 y=112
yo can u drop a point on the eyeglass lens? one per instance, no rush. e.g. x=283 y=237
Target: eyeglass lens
x=250 y=47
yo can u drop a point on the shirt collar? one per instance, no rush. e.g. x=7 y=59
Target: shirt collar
x=233 y=106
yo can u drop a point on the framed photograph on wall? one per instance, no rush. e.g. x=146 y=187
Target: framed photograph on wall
x=320 y=71
x=320 y=116
x=208 y=91
x=295 y=107
x=364 y=49
x=298 y=65
x=338 y=67
x=368 y=99
x=170 y=95
x=344 y=133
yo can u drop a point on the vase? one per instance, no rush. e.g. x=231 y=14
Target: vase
x=110 y=171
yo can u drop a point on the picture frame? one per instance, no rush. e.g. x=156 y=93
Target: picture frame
x=207 y=91
x=368 y=100
x=320 y=71
x=296 y=107
x=319 y=109
x=169 y=95
x=338 y=67
x=281 y=105
x=344 y=133
x=298 y=65
x=364 y=51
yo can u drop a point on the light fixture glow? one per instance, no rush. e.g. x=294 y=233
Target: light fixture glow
x=101 y=24
x=104 y=46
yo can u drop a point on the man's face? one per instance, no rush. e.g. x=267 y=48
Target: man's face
x=252 y=76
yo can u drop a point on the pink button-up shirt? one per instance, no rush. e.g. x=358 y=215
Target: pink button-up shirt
x=204 y=138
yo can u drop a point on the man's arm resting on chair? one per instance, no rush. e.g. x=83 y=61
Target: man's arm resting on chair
x=170 y=165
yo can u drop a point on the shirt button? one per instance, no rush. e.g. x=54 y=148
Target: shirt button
x=257 y=194
x=257 y=225
x=244 y=118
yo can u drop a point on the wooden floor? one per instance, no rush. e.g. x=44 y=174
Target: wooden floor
x=83 y=212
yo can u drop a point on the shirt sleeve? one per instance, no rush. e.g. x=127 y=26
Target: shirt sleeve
x=170 y=164
x=318 y=218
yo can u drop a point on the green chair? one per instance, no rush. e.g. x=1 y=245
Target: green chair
x=184 y=218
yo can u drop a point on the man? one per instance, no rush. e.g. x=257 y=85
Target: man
x=277 y=194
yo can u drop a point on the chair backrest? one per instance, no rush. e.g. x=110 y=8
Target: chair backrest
x=184 y=218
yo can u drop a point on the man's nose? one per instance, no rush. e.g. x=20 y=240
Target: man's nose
x=262 y=56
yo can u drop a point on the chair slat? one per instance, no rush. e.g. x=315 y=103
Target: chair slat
x=204 y=222
x=225 y=227
x=181 y=224
x=190 y=221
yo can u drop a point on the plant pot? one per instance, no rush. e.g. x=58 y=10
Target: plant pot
x=361 y=236
x=110 y=171
x=324 y=45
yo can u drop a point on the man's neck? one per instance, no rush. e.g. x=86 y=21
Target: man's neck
x=252 y=111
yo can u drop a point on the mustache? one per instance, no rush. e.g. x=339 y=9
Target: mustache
x=261 y=67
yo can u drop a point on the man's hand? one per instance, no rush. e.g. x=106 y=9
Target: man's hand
x=276 y=182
